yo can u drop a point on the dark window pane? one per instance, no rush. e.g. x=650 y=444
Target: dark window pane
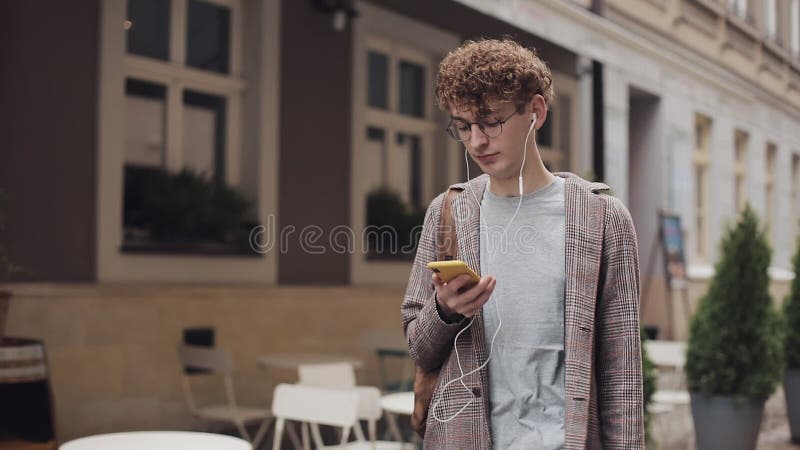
x=375 y=134
x=412 y=89
x=378 y=65
x=394 y=207
x=204 y=134
x=148 y=28
x=544 y=136
x=409 y=159
x=565 y=132
x=145 y=116
x=208 y=37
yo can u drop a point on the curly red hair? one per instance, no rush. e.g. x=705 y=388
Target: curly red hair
x=491 y=70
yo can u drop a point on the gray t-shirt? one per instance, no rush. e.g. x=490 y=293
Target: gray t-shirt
x=526 y=370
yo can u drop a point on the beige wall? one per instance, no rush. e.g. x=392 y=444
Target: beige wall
x=708 y=28
x=112 y=348
x=655 y=310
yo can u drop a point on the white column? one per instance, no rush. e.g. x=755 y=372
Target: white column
x=582 y=161
x=615 y=106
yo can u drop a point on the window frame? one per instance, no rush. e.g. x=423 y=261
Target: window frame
x=179 y=77
x=382 y=29
x=263 y=58
x=556 y=154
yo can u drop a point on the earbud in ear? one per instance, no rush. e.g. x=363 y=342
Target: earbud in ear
x=533 y=120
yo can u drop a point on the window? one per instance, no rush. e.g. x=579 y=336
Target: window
x=794 y=23
x=399 y=129
x=145 y=107
x=740 y=148
x=794 y=209
x=771 y=19
x=769 y=190
x=183 y=96
x=701 y=160
x=742 y=8
x=148 y=27
x=554 y=138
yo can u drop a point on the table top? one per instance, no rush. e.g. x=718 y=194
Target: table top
x=398 y=403
x=295 y=360
x=157 y=440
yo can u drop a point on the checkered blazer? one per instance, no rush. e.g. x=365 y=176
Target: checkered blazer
x=603 y=379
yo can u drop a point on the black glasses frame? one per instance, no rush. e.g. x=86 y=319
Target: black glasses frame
x=480 y=124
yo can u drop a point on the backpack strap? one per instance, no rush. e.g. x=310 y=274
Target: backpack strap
x=447 y=242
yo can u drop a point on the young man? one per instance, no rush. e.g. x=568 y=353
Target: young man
x=559 y=292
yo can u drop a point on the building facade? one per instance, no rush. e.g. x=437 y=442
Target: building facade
x=307 y=110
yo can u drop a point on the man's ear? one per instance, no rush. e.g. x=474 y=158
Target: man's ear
x=539 y=106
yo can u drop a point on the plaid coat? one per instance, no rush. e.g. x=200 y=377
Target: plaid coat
x=603 y=373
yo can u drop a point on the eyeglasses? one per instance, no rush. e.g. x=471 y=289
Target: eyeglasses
x=461 y=130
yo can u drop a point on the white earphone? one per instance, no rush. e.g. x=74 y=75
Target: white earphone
x=496 y=303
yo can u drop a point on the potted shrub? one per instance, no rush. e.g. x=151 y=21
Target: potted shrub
x=183 y=211
x=791 y=314
x=734 y=359
x=395 y=225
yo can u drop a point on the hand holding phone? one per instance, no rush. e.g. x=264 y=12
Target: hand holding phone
x=459 y=290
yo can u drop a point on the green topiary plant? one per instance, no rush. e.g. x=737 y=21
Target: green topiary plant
x=734 y=345
x=387 y=210
x=791 y=316
x=183 y=206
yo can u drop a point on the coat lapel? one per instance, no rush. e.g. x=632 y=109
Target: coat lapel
x=466 y=208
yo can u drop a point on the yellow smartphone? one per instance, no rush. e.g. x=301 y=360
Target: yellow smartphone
x=447 y=270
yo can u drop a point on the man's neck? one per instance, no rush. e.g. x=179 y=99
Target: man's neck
x=534 y=177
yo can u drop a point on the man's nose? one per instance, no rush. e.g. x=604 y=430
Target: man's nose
x=476 y=137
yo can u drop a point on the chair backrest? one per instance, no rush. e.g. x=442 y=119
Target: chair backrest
x=314 y=405
x=217 y=360
x=395 y=367
x=667 y=353
x=333 y=375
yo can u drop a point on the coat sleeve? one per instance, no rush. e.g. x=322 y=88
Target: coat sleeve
x=619 y=360
x=430 y=338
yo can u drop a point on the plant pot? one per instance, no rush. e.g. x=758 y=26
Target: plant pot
x=726 y=422
x=791 y=388
x=5 y=299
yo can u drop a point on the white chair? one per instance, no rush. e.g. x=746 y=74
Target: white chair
x=219 y=362
x=316 y=406
x=342 y=376
x=671 y=356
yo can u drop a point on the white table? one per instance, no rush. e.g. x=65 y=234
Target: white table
x=157 y=440
x=295 y=360
x=400 y=403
